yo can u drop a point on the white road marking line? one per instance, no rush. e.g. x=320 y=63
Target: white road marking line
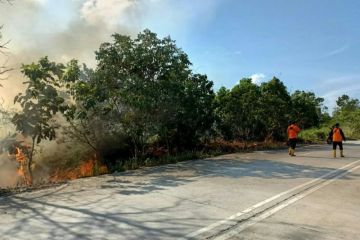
x=267 y=214
x=307 y=153
x=260 y=204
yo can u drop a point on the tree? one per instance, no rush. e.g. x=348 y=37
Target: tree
x=245 y=103
x=306 y=108
x=239 y=110
x=147 y=82
x=3 y=68
x=345 y=103
x=41 y=102
x=347 y=113
x=223 y=123
x=195 y=115
x=276 y=108
x=91 y=122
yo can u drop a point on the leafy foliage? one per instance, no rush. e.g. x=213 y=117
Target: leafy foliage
x=347 y=113
x=41 y=101
x=239 y=110
x=307 y=108
x=145 y=85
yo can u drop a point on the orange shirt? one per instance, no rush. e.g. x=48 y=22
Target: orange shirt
x=293 y=131
x=337 y=135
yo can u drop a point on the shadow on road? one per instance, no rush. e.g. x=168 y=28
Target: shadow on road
x=89 y=224
x=174 y=175
x=77 y=210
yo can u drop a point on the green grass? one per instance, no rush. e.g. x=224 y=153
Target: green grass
x=314 y=135
x=319 y=135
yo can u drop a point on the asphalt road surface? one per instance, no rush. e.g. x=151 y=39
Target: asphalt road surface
x=261 y=195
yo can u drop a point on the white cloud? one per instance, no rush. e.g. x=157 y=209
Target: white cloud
x=336 y=51
x=257 y=78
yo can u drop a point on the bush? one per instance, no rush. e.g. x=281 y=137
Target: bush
x=314 y=135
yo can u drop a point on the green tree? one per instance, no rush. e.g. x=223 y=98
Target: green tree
x=41 y=101
x=239 y=110
x=347 y=113
x=306 y=108
x=246 y=106
x=195 y=113
x=345 y=103
x=148 y=83
x=276 y=108
x=223 y=123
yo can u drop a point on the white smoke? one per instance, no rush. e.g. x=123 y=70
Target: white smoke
x=8 y=168
x=109 y=12
x=63 y=30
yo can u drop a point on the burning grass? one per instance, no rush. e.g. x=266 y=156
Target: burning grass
x=23 y=179
x=66 y=167
x=85 y=169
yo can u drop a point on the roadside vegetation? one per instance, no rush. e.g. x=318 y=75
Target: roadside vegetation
x=142 y=105
x=347 y=113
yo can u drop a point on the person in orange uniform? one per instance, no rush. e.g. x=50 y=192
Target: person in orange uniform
x=338 y=137
x=292 y=132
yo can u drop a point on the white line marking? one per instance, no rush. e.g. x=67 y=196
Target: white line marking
x=267 y=214
x=262 y=203
x=307 y=153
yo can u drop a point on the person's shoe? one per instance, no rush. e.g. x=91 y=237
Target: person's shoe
x=342 y=153
x=334 y=153
x=293 y=152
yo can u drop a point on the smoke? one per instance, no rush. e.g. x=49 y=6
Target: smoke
x=110 y=12
x=63 y=30
x=76 y=32
x=8 y=168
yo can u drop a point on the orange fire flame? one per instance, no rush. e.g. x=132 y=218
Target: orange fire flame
x=21 y=159
x=86 y=169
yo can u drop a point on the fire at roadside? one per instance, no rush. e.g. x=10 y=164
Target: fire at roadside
x=13 y=175
x=16 y=174
x=19 y=182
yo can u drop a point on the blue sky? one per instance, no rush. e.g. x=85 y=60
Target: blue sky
x=311 y=45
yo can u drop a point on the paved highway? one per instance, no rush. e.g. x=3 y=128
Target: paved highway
x=261 y=195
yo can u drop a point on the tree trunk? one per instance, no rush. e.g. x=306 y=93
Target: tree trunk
x=97 y=160
x=29 y=163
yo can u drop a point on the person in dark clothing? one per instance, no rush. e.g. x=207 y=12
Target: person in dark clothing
x=330 y=135
x=338 y=137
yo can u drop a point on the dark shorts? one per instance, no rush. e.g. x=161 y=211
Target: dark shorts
x=336 y=144
x=292 y=143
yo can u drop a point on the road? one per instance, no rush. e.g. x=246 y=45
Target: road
x=260 y=195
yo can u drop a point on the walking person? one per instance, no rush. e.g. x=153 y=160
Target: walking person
x=292 y=132
x=338 y=137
